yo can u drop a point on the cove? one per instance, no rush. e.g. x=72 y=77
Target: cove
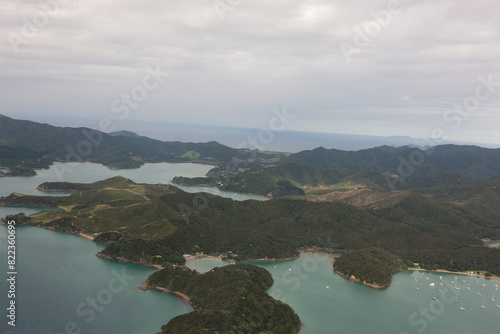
x=60 y=281
x=87 y=172
x=328 y=303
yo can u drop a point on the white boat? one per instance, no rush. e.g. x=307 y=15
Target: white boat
x=482 y=306
x=432 y=284
x=462 y=307
x=493 y=298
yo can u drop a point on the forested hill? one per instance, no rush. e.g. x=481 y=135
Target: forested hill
x=230 y=299
x=405 y=161
x=26 y=145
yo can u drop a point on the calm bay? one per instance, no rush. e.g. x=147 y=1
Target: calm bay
x=61 y=281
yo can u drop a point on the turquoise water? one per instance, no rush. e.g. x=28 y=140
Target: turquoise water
x=89 y=172
x=28 y=210
x=205 y=264
x=58 y=274
x=328 y=303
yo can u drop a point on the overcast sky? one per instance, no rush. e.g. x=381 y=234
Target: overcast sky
x=332 y=64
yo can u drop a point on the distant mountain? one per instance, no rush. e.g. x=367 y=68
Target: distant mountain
x=25 y=145
x=28 y=144
x=124 y=133
x=405 y=161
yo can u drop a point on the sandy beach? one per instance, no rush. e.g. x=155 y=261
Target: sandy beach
x=145 y=286
x=85 y=236
x=456 y=272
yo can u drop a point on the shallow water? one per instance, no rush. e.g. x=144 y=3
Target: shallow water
x=58 y=277
x=328 y=303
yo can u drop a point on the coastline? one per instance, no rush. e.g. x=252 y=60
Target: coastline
x=57 y=190
x=371 y=285
x=186 y=298
x=194 y=257
x=123 y=260
x=455 y=272
x=88 y=237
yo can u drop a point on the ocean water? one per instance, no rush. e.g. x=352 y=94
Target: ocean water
x=90 y=172
x=60 y=278
x=328 y=303
x=265 y=139
x=61 y=284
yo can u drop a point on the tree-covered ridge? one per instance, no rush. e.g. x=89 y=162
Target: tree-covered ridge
x=118 y=182
x=373 y=266
x=405 y=161
x=284 y=180
x=364 y=189
x=155 y=226
x=26 y=145
x=230 y=299
x=466 y=258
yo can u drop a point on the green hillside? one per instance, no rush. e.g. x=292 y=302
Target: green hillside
x=373 y=266
x=25 y=145
x=153 y=221
x=472 y=161
x=224 y=298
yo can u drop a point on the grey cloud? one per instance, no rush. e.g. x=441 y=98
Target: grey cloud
x=263 y=54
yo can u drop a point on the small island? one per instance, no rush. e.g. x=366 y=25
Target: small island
x=373 y=267
x=231 y=299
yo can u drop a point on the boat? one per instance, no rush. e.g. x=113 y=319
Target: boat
x=493 y=298
x=462 y=307
x=482 y=306
x=432 y=284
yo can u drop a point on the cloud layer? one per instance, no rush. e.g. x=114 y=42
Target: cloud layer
x=373 y=67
